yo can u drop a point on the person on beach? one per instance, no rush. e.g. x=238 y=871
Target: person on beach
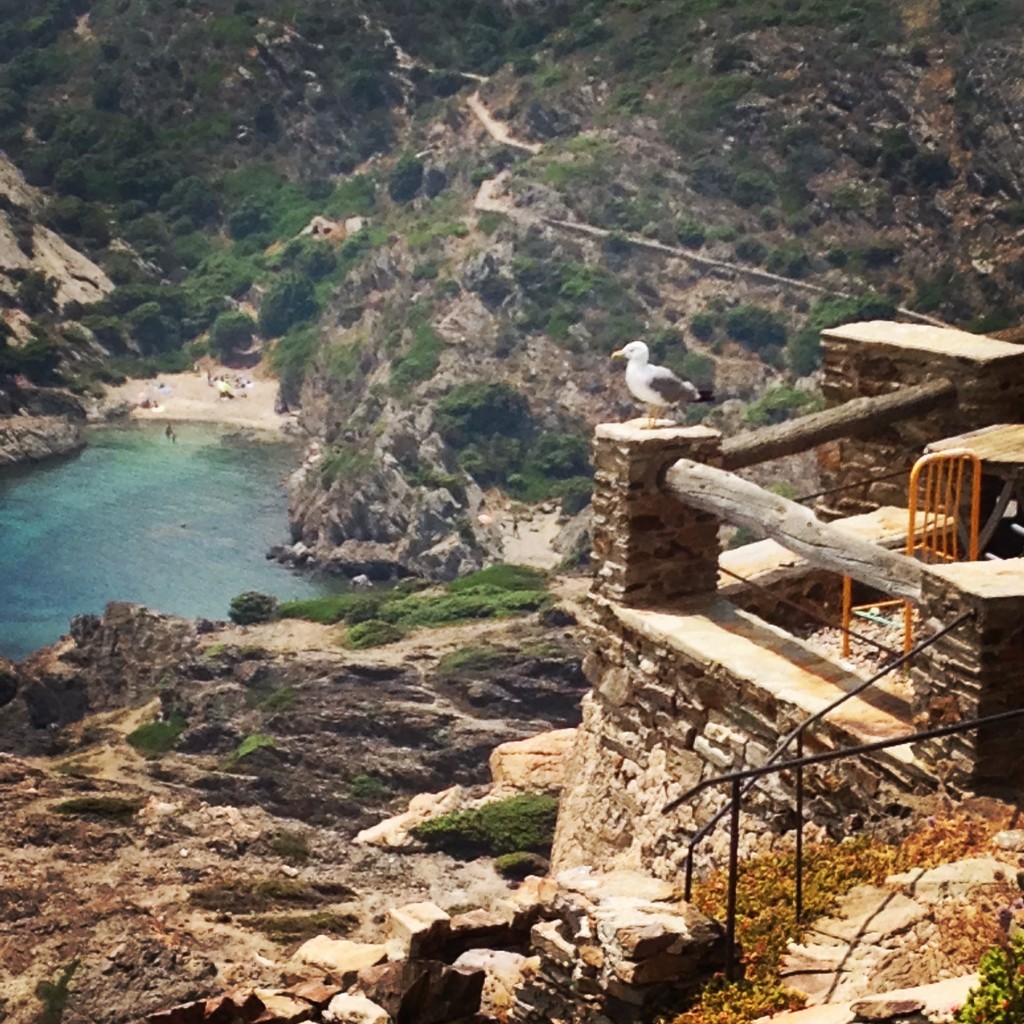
x=170 y=434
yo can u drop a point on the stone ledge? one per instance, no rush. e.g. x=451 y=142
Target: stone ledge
x=984 y=579
x=945 y=341
x=636 y=432
x=714 y=632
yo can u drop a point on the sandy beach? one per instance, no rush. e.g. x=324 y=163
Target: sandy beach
x=192 y=399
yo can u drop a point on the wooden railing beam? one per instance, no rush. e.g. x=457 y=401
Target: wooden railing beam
x=844 y=420
x=742 y=503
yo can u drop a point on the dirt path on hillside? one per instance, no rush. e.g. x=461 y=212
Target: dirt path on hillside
x=498 y=130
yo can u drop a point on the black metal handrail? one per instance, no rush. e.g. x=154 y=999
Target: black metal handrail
x=797 y=733
x=737 y=779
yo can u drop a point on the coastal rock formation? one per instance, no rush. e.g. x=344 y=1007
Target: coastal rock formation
x=38 y=423
x=321 y=717
x=34 y=438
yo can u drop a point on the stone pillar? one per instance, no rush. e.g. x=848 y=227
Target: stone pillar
x=867 y=359
x=973 y=671
x=650 y=550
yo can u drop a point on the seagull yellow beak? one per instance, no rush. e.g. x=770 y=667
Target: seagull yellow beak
x=619 y=354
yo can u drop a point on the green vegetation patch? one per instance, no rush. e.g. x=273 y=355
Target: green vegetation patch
x=295 y=927
x=253 y=742
x=803 y=350
x=494 y=592
x=256 y=895
x=112 y=808
x=523 y=823
x=516 y=866
x=251 y=606
x=780 y=403
x=157 y=738
x=998 y=997
x=372 y=633
x=471 y=659
x=502 y=577
x=292 y=846
x=368 y=788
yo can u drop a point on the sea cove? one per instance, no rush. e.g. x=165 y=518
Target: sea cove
x=180 y=526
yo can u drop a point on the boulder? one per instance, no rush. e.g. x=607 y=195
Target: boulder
x=534 y=764
x=394 y=832
x=504 y=970
x=423 y=991
x=282 y=1008
x=418 y=930
x=353 y=1008
x=340 y=958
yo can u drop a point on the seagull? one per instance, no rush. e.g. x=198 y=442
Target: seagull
x=656 y=386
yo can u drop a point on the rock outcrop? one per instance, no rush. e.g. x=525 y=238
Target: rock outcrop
x=38 y=423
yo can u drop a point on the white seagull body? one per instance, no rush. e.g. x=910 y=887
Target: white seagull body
x=656 y=386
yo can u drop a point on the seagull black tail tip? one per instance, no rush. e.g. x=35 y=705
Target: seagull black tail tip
x=705 y=395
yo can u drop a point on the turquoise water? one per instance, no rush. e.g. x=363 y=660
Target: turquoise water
x=179 y=527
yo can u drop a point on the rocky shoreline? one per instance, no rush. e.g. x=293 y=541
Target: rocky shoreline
x=38 y=423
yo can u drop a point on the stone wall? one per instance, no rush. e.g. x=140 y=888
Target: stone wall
x=875 y=358
x=974 y=671
x=663 y=717
x=649 y=549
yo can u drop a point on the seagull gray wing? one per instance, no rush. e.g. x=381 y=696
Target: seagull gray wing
x=671 y=388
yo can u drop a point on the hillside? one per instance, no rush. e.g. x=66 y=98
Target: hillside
x=754 y=171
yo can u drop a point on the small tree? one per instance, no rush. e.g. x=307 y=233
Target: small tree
x=231 y=331
x=252 y=606
x=289 y=302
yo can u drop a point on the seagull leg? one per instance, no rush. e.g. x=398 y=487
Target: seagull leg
x=652 y=415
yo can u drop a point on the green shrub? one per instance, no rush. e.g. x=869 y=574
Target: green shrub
x=344 y=461
x=115 y=808
x=420 y=362
x=405 y=179
x=290 y=301
x=331 y=608
x=291 y=846
x=502 y=577
x=998 y=998
x=523 y=823
x=804 y=349
x=516 y=866
x=482 y=409
x=156 y=738
x=253 y=742
x=703 y=325
x=293 y=354
x=778 y=404
x=231 y=331
x=282 y=699
x=295 y=927
x=368 y=788
x=755 y=327
x=478 y=603
x=252 y=606
x=471 y=660
x=372 y=633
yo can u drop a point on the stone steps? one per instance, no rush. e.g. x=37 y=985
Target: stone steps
x=933 y=1001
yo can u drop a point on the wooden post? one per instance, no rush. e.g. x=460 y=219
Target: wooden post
x=745 y=504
